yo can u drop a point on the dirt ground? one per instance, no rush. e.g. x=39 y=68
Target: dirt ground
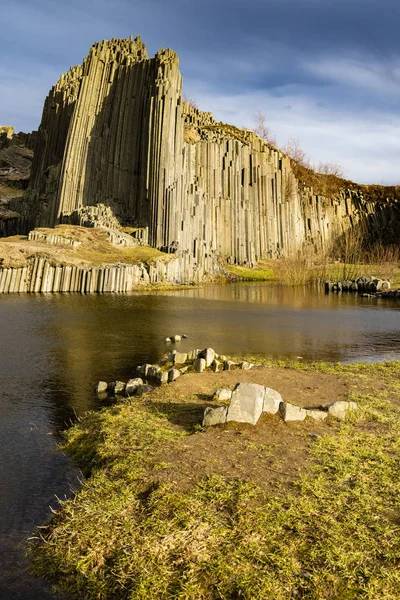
x=272 y=453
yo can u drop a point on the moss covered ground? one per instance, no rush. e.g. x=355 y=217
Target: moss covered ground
x=240 y=518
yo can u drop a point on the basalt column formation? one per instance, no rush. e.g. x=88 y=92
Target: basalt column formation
x=115 y=133
x=106 y=136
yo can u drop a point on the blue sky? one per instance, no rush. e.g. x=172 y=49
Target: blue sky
x=326 y=72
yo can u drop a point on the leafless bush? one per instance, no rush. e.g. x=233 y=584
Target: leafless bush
x=261 y=129
x=192 y=103
x=296 y=152
x=330 y=168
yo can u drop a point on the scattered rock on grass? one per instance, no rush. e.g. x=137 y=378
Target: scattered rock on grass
x=222 y=395
x=215 y=416
x=339 y=409
x=246 y=403
x=290 y=412
x=179 y=358
x=162 y=377
x=272 y=401
x=228 y=365
x=199 y=365
x=209 y=355
x=173 y=374
x=246 y=366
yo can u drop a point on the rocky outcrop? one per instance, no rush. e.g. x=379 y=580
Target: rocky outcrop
x=116 y=133
x=42 y=276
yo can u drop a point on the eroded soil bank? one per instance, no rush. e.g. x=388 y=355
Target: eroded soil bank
x=278 y=510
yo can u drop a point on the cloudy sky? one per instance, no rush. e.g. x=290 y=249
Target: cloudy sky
x=325 y=72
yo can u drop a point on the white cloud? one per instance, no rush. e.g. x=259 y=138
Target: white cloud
x=366 y=143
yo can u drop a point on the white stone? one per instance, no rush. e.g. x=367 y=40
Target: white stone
x=215 y=416
x=272 y=401
x=246 y=366
x=179 y=358
x=173 y=374
x=101 y=387
x=208 y=354
x=216 y=366
x=162 y=377
x=133 y=385
x=246 y=403
x=339 y=409
x=119 y=387
x=177 y=338
x=199 y=365
x=317 y=415
x=290 y=412
x=228 y=365
x=222 y=394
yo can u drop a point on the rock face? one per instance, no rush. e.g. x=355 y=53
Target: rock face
x=115 y=133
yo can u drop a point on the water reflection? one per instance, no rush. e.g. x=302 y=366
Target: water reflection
x=54 y=348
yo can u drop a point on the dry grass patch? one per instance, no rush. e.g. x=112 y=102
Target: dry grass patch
x=95 y=249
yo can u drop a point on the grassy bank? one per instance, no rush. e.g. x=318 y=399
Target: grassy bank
x=171 y=511
x=298 y=270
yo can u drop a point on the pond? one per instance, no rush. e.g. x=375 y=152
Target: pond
x=55 y=347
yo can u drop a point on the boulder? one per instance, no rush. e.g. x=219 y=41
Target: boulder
x=246 y=366
x=215 y=416
x=272 y=401
x=171 y=356
x=179 y=358
x=199 y=365
x=228 y=365
x=183 y=370
x=339 y=409
x=119 y=387
x=152 y=372
x=317 y=415
x=101 y=387
x=290 y=412
x=162 y=377
x=132 y=386
x=168 y=340
x=222 y=395
x=246 y=403
x=192 y=355
x=145 y=369
x=209 y=355
x=143 y=389
x=176 y=338
x=173 y=374
x=216 y=366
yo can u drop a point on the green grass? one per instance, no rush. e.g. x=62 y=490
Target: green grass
x=332 y=534
x=248 y=274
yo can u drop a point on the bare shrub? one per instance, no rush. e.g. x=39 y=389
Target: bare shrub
x=190 y=101
x=330 y=168
x=294 y=150
x=261 y=129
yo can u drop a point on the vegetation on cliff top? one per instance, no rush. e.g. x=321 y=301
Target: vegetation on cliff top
x=255 y=513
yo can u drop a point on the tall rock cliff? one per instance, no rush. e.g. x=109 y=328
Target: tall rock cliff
x=116 y=132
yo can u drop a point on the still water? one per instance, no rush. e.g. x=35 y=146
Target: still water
x=54 y=348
